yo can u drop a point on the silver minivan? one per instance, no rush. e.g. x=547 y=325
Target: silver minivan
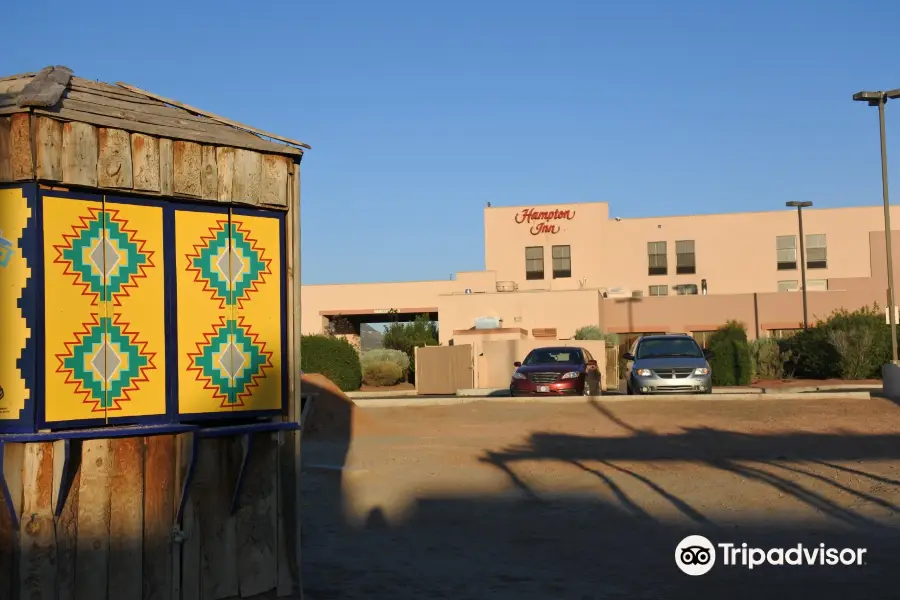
x=668 y=364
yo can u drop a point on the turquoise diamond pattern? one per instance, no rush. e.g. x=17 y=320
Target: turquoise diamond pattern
x=106 y=362
x=232 y=269
x=230 y=360
x=103 y=252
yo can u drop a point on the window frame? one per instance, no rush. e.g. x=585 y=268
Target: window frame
x=786 y=265
x=657 y=269
x=534 y=275
x=660 y=287
x=561 y=273
x=821 y=250
x=685 y=269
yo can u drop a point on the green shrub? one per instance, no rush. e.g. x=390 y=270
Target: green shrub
x=592 y=332
x=335 y=358
x=379 y=355
x=767 y=359
x=731 y=363
x=382 y=373
x=406 y=337
x=589 y=332
x=847 y=345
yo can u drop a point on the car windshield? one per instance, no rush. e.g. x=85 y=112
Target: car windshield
x=547 y=356
x=667 y=347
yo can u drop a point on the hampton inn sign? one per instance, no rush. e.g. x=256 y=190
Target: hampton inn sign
x=542 y=221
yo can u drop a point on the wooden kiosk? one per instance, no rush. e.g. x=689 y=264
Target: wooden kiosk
x=149 y=340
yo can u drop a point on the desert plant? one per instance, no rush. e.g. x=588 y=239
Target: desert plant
x=589 y=332
x=853 y=348
x=385 y=355
x=406 y=337
x=382 y=373
x=767 y=359
x=848 y=345
x=593 y=332
x=333 y=357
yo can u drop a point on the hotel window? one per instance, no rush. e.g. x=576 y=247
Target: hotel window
x=702 y=337
x=816 y=251
x=686 y=289
x=685 y=261
x=788 y=286
x=656 y=254
x=534 y=262
x=659 y=290
x=817 y=285
x=786 y=247
x=562 y=261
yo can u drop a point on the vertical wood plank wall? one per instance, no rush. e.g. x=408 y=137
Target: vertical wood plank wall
x=115 y=537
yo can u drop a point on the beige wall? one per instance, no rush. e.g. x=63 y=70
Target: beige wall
x=735 y=253
x=564 y=310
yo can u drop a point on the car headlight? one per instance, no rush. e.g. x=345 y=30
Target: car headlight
x=701 y=371
x=643 y=372
x=570 y=375
x=518 y=375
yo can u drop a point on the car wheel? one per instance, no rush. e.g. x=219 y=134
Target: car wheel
x=628 y=390
x=708 y=391
x=512 y=393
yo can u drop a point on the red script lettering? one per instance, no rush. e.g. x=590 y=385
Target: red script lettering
x=543 y=218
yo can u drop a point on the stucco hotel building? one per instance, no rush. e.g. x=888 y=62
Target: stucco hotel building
x=551 y=269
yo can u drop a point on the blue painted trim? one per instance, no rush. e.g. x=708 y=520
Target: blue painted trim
x=97 y=433
x=28 y=305
x=170 y=287
x=233 y=415
x=227 y=430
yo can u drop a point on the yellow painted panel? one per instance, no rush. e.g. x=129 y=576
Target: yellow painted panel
x=75 y=316
x=203 y=305
x=137 y=331
x=256 y=240
x=14 y=275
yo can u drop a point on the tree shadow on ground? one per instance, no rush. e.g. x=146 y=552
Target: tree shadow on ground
x=532 y=544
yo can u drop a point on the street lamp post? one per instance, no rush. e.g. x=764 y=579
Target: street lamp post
x=800 y=206
x=879 y=99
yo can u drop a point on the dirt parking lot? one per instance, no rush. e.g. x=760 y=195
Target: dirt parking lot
x=588 y=501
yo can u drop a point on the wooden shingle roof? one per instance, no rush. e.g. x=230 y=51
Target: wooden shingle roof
x=56 y=93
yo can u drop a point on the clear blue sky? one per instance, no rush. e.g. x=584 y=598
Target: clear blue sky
x=419 y=112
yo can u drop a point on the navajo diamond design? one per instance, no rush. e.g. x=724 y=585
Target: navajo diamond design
x=105 y=363
x=103 y=255
x=230 y=361
x=228 y=263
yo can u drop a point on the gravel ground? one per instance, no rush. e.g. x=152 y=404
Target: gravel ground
x=588 y=501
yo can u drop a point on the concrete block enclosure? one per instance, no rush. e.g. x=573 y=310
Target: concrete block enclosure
x=149 y=282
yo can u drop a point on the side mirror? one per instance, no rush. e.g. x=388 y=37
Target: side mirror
x=628 y=356
x=592 y=363
x=517 y=364
x=708 y=354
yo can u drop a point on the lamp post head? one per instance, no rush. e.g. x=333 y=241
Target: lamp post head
x=876 y=98
x=798 y=204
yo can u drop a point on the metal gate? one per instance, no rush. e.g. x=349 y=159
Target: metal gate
x=444 y=369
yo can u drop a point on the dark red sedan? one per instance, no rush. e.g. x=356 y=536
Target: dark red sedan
x=554 y=371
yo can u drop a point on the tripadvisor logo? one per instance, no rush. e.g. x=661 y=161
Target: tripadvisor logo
x=696 y=555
